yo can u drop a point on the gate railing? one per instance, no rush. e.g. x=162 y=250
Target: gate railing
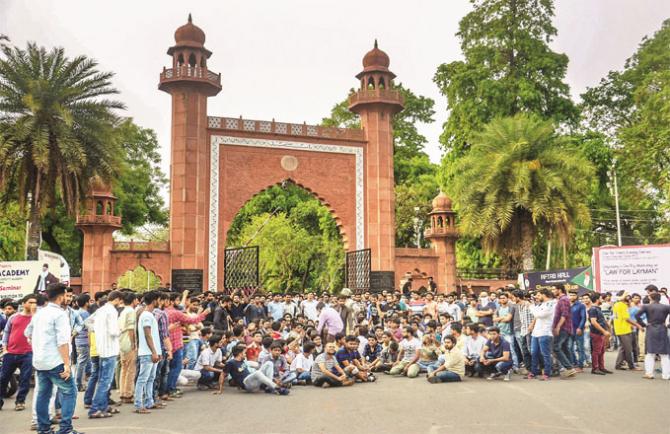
x=241 y=271
x=357 y=270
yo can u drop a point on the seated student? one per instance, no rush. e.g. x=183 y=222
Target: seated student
x=388 y=357
x=372 y=352
x=472 y=349
x=265 y=350
x=261 y=379
x=318 y=344
x=453 y=368
x=428 y=355
x=281 y=371
x=301 y=365
x=409 y=352
x=495 y=356
x=351 y=361
x=254 y=349
x=210 y=365
x=326 y=371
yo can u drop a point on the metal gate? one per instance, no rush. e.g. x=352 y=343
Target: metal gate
x=357 y=270
x=241 y=270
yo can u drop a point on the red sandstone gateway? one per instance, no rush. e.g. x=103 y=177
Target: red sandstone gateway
x=214 y=172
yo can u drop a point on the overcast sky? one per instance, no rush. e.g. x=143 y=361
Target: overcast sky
x=293 y=59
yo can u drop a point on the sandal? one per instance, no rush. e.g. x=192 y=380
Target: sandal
x=142 y=411
x=99 y=415
x=19 y=407
x=157 y=407
x=113 y=410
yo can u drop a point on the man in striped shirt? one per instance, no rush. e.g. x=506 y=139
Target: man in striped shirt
x=176 y=320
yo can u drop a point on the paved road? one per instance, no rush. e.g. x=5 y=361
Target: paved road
x=588 y=404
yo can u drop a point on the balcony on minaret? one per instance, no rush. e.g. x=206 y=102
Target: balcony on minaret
x=442 y=219
x=99 y=207
x=189 y=62
x=376 y=84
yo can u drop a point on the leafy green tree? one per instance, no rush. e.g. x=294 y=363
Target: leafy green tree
x=630 y=109
x=57 y=129
x=519 y=177
x=13 y=230
x=300 y=244
x=408 y=142
x=508 y=68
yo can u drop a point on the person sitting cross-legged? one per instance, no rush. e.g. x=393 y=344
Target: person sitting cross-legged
x=495 y=356
x=409 y=352
x=352 y=362
x=453 y=368
x=251 y=382
x=301 y=365
x=326 y=371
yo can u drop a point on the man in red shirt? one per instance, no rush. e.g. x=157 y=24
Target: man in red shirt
x=177 y=319
x=19 y=353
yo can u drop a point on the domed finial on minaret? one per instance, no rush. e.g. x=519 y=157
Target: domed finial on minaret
x=376 y=43
x=190 y=20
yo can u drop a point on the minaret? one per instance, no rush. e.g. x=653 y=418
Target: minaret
x=376 y=102
x=443 y=234
x=98 y=224
x=190 y=83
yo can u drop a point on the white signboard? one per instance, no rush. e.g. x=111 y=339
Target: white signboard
x=19 y=278
x=631 y=268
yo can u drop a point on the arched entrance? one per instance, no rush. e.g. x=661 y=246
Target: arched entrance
x=298 y=238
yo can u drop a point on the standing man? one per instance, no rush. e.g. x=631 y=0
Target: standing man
x=485 y=310
x=276 y=307
x=504 y=319
x=623 y=329
x=107 y=333
x=600 y=334
x=308 y=307
x=521 y=324
x=562 y=330
x=44 y=280
x=18 y=352
x=81 y=342
x=149 y=352
x=330 y=322
x=127 y=347
x=541 y=335
x=49 y=333
x=578 y=314
x=656 y=338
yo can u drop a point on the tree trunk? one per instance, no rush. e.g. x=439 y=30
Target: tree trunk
x=49 y=238
x=34 y=232
x=527 y=236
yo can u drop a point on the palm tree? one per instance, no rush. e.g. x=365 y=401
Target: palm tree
x=519 y=177
x=56 y=130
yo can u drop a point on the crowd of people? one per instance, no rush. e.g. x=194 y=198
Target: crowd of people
x=148 y=347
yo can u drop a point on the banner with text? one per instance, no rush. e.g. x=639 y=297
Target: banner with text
x=579 y=279
x=631 y=268
x=18 y=278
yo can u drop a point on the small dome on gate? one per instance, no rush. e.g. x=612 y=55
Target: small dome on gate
x=441 y=202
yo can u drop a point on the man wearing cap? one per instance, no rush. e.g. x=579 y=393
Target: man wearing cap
x=623 y=328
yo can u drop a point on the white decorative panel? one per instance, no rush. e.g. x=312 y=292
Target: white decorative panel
x=214 y=122
x=296 y=129
x=232 y=124
x=265 y=127
x=312 y=130
x=280 y=128
x=249 y=125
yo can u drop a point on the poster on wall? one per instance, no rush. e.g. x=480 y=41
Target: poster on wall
x=19 y=278
x=579 y=279
x=631 y=268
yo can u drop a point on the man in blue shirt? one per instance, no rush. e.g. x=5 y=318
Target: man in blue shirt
x=276 y=308
x=578 y=312
x=495 y=357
